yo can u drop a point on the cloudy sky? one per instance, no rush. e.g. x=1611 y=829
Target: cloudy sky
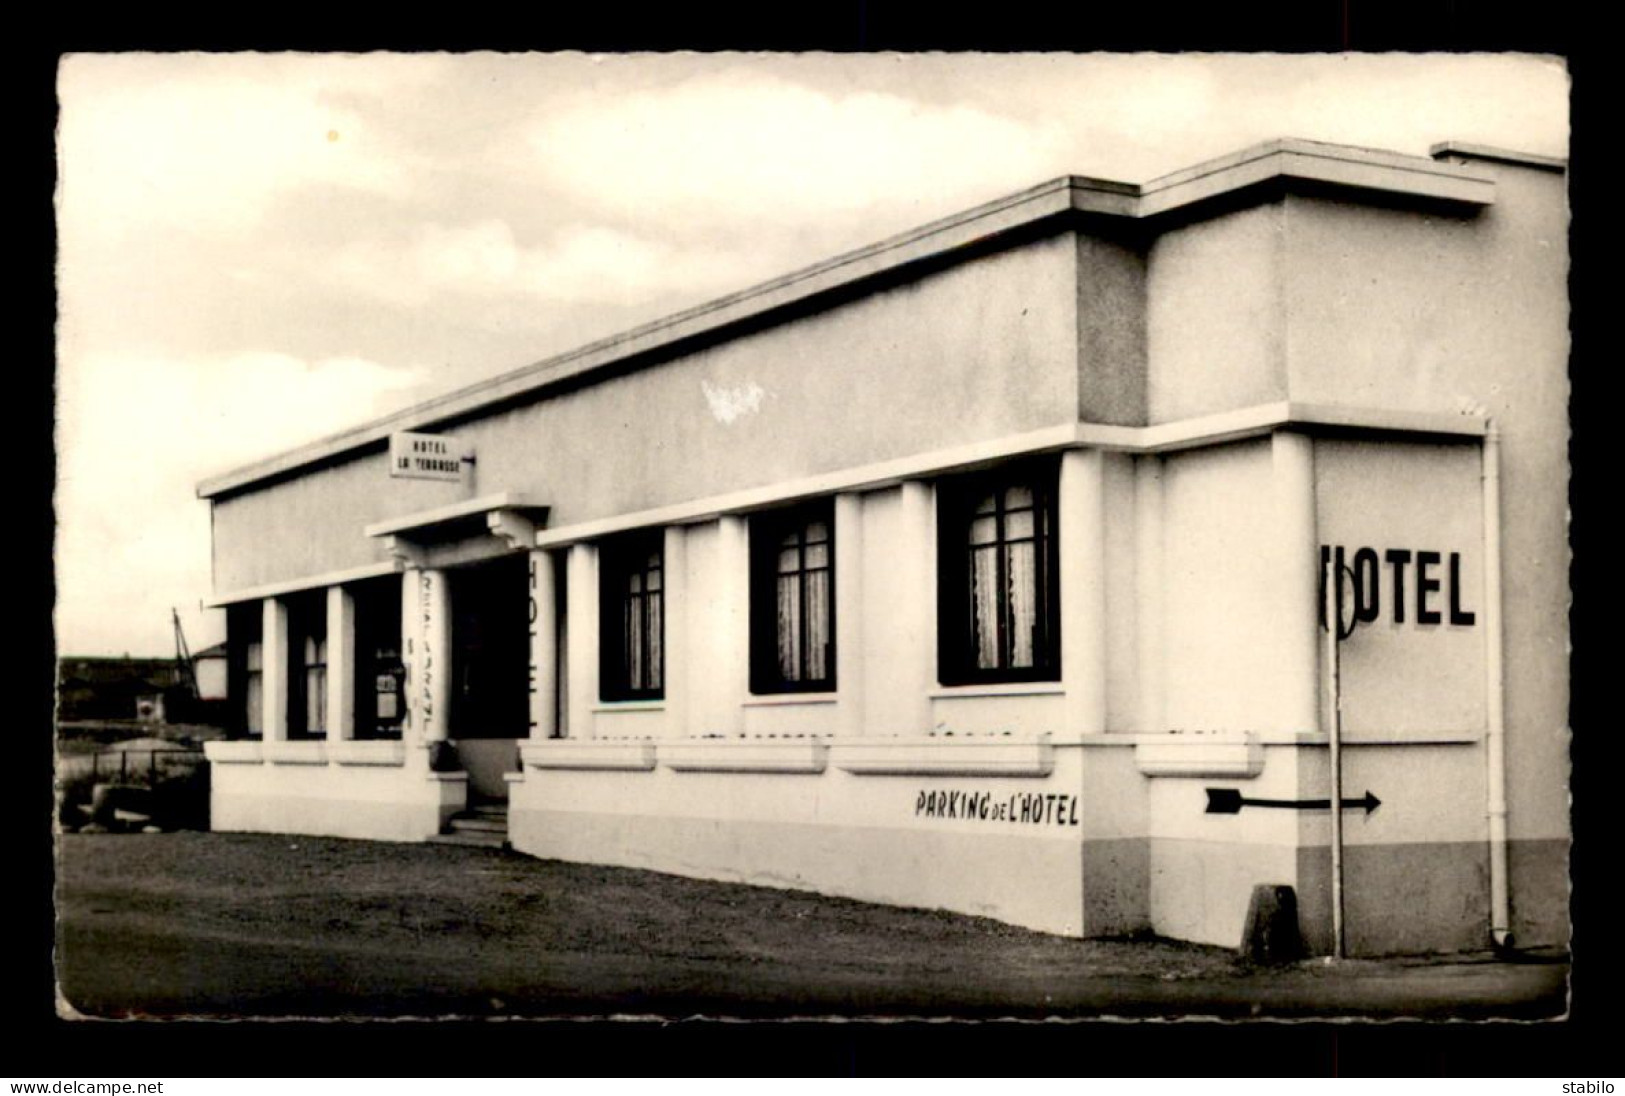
x=258 y=250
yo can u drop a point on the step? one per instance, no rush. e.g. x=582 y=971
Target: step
x=479 y=840
x=465 y=824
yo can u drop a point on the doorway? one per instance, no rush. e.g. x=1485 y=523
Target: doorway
x=490 y=664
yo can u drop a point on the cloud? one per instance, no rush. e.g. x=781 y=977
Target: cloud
x=577 y=265
x=136 y=434
x=202 y=414
x=1509 y=101
x=196 y=142
x=736 y=145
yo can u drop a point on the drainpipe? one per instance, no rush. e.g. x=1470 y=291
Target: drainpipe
x=1495 y=731
x=1334 y=738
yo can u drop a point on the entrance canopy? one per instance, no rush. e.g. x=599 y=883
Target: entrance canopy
x=463 y=532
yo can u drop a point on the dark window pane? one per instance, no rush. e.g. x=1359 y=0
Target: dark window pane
x=631 y=595
x=792 y=610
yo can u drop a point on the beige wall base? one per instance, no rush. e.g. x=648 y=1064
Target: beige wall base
x=1012 y=878
x=372 y=803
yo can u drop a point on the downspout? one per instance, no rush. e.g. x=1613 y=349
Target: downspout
x=1495 y=687
x=1334 y=737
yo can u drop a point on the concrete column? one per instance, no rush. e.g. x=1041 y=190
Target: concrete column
x=581 y=656
x=426 y=632
x=1148 y=581
x=675 y=651
x=915 y=666
x=732 y=621
x=849 y=610
x=341 y=655
x=1081 y=513
x=1296 y=613
x=544 y=635
x=274 y=669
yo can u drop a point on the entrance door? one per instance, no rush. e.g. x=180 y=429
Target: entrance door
x=490 y=660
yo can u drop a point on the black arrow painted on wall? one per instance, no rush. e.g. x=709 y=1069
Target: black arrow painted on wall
x=1230 y=801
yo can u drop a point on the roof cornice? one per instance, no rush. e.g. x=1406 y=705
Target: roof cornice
x=1282 y=162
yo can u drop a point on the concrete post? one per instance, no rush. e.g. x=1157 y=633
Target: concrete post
x=1148 y=582
x=1295 y=620
x=581 y=656
x=732 y=672
x=849 y=611
x=915 y=666
x=274 y=669
x=1082 y=519
x=544 y=632
x=674 y=645
x=341 y=655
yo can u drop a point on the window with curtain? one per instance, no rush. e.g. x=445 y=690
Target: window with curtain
x=307 y=666
x=793 y=600
x=315 y=685
x=999 y=601
x=631 y=625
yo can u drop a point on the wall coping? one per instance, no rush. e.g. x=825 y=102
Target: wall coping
x=1200 y=755
x=937 y=756
x=233 y=751
x=743 y=755
x=303 y=752
x=789 y=700
x=567 y=753
x=383 y=751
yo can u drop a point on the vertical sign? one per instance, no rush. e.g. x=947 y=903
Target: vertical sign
x=530 y=676
x=426 y=650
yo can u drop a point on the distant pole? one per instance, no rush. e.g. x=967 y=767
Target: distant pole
x=183 y=655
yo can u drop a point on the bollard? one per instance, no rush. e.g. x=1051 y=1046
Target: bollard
x=1271 y=934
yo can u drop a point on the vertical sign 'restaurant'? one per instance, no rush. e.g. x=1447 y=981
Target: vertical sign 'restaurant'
x=530 y=677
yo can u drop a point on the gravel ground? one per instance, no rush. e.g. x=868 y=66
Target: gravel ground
x=213 y=925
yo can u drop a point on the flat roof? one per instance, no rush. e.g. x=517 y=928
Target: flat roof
x=1467 y=150
x=1285 y=160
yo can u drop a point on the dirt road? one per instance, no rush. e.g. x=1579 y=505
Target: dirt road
x=238 y=925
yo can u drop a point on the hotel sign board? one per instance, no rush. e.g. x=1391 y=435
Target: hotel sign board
x=428 y=456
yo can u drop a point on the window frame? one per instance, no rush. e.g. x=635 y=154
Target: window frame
x=768 y=531
x=378 y=631
x=957 y=501
x=244 y=625
x=307 y=621
x=643 y=554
